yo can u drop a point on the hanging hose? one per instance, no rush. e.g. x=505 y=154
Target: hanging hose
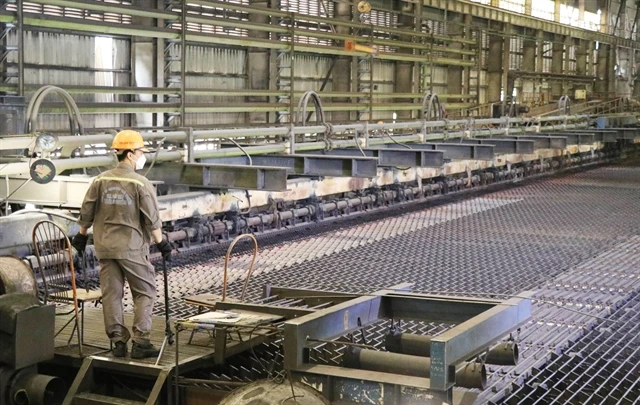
x=75 y=121
x=394 y=140
x=356 y=138
x=155 y=156
x=564 y=105
x=431 y=108
x=301 y=115
x=243 y=151
x=226 y=265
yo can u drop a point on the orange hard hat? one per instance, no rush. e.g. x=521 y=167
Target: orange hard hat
x=128 y=139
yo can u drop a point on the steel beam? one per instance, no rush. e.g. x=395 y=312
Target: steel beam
x=323 y=20
x=455 y=151
x=626 y=133
x=125 y=107
x=584 y=138
x=480 y=11
x=7 y=87
x=433 y=309
x=505 y=146
x=602 y=135
x=544 y=141
x=469 y=338
x=483 y=323
x=241 y=177
x=104 y=28
x=309 y=165
x=329 y=323
x=393 y=156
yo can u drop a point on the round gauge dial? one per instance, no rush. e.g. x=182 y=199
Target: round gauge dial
x=42 y=171
x=364 y=7
x=47 y=142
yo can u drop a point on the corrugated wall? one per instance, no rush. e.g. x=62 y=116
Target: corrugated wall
x=440 y=78
x=214 y=68
x=310 y=71
x=72 y=60
x=383 y=78
x=383 y=82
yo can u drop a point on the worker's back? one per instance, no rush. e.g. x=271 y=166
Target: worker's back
x=122 y=207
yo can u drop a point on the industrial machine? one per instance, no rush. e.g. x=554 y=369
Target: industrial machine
x=272 y=181
x=26 y=339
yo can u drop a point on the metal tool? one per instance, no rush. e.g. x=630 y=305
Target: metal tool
x=168 y=333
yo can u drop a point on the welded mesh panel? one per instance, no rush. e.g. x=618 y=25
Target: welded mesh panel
x=572 y=238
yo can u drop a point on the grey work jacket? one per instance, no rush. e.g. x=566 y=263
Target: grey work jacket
x=123 y=209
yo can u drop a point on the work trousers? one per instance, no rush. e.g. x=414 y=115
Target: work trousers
x=140 y=275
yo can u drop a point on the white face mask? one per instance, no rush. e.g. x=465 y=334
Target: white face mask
x=142 y=159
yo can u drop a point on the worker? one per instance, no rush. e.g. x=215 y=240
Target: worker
x=123 y=209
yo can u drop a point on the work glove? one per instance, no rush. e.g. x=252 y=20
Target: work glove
x=79 y=242
x=165 y=248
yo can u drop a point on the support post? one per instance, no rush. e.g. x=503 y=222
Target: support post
x=494 y=69
x=142 y=62
x=258 y=63
x=404 y=70
x=602 y=84
x=341 y=76
x=454 y=73
x=507 y=84
x=557 y=63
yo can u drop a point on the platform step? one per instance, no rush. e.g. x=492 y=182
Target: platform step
x=89 y=398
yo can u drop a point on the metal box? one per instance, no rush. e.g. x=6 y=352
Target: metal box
x=26 y=331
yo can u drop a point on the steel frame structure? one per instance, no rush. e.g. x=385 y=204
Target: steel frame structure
x=480 y=323
x=466 y=55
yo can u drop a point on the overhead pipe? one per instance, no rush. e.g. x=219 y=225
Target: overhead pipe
x=18 y=142
x=181 y=136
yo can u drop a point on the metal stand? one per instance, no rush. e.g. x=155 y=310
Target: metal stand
x=168 y=333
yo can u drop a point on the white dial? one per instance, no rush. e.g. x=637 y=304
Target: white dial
x=47 y=142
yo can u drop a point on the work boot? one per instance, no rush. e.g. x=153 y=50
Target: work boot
x=143 y=350
x=120 y=349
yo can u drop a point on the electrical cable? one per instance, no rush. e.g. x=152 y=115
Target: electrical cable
x=155 y=156
x=356 y=138
x=394 y=140
x=243 y=150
